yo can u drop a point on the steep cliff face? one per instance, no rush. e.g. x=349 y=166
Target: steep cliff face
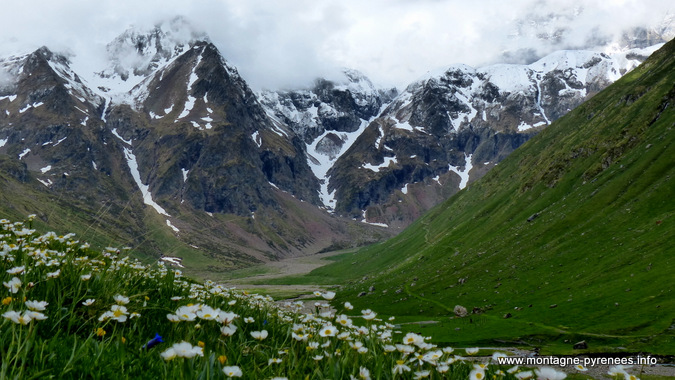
x=449 y=128
x=207 y=141
x=328 y=118
x=168 y=148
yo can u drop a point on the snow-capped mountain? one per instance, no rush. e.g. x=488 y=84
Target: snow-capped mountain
x=178 y=143
x=60 y=83
x=328 y=117
x=136 y=55
x=449 y=128
x=57 y=158
x=166 y=142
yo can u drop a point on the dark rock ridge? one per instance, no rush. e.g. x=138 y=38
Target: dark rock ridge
x=187 y=144
x=170 y=138
x=448 y=129
x=215 y=148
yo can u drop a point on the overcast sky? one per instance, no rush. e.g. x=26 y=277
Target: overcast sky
x=276 y=43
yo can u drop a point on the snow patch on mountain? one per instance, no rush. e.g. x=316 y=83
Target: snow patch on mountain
x=114 y=132
x=190 y=103
x=257 y=139
x=132 y=162
x=463 y=174
x=145 y=189
x=24 y=153
x=47 y=182
x=187 y=108
x=29 y=106
x=168 y=223
x=376 y=168
x=321 y=163
x=329 y=117
x=174 y=260
x=134 y=57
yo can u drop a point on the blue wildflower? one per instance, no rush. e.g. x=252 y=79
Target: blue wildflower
x=154 y=341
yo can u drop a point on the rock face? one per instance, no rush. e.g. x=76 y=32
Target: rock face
x=209 y=140
x=176 y=142
x=328 y=118
x=50 y=123
x=169 y=137
x=449 y=128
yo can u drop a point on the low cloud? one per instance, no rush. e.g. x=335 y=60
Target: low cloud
x=290 y=42
x=5 y=81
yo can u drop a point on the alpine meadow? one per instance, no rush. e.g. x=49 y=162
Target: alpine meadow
x=568 y=239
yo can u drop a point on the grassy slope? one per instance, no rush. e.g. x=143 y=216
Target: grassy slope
x=601 y=180
x=110 y=223
x=99 y=315
x=210 y=246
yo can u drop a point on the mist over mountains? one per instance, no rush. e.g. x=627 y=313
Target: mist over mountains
x=289 y=44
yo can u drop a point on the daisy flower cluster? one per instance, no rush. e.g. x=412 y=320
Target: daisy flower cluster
x=71 y=311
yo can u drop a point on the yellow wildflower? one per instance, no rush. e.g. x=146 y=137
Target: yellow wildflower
x=222 y=359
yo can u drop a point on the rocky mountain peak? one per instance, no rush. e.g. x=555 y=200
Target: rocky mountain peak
x=45 y=78
x=137 y=54
x=328 y=117
x=449 y=127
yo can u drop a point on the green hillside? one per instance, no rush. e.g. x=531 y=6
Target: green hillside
x=570 y=238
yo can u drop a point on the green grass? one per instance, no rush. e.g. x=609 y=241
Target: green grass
x=69 y=311
x=595 y=264
x=67 y=338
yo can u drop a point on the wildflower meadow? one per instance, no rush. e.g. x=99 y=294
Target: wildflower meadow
x=69 y=311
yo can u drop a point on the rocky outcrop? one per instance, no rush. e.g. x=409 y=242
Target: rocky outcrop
x=449 y=128
x=186 y=150
x=328 y=118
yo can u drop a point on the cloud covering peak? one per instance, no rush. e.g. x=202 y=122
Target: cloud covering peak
x=289 y=42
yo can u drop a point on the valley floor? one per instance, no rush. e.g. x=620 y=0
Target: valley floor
x=254 y=280
x=292 y=266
